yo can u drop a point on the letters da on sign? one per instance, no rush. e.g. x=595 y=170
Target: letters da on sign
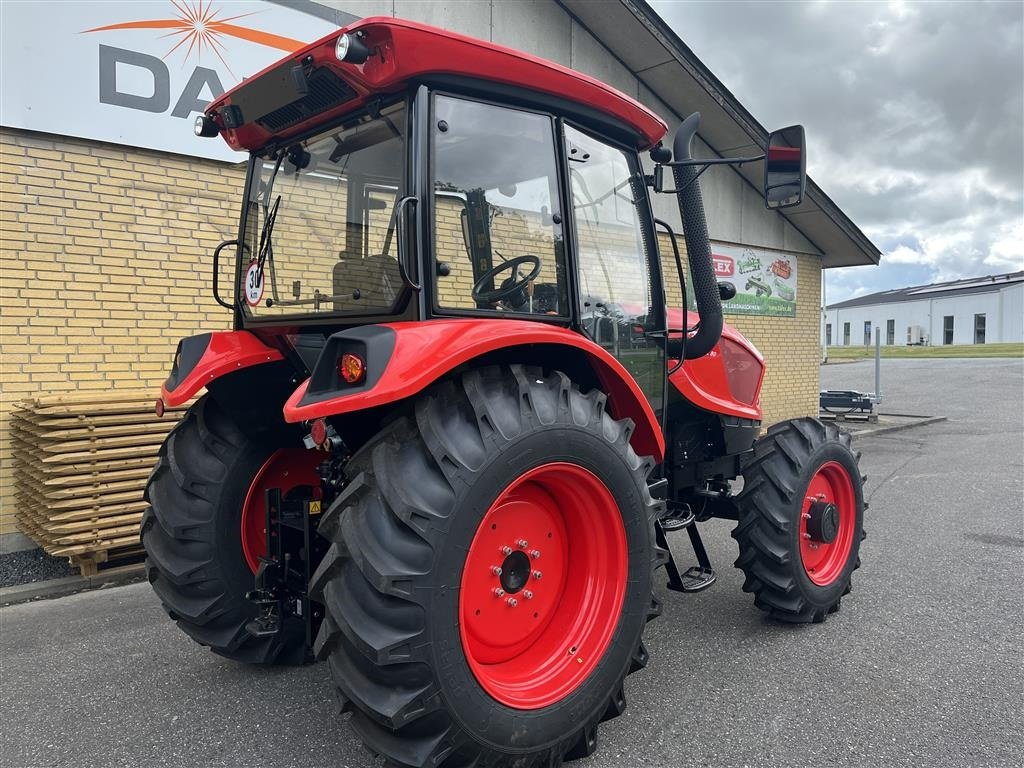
x=153 y=70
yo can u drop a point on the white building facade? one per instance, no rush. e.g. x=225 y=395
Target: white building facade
x=983 y=310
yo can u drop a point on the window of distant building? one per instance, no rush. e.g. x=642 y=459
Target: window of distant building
x=846 y=334
x=867 y=333
x=890 y=332
x=828 y=334
x=979 y=329
x=947 y=329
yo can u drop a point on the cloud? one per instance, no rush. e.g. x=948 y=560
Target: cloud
x=914 y=117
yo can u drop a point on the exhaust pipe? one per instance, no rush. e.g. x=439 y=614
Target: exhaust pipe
x=698 y=245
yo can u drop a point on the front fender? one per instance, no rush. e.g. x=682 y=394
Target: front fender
x=403 y=359
x=203 y=358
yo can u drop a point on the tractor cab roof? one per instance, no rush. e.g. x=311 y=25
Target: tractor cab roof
x=313 y=86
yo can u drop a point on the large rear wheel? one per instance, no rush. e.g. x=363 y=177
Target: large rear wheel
x=205 y=531
x=490 y=574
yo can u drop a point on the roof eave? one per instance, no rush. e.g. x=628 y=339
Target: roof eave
x=685 y=84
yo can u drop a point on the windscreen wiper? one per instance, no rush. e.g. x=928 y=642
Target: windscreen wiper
x=266 y=249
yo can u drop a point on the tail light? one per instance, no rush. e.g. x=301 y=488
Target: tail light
x=351 y=368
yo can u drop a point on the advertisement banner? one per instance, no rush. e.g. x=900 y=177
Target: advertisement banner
x=137 y=73
x=765 y=280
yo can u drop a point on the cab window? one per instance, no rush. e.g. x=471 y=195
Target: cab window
x=497 y=246
x=616 y=295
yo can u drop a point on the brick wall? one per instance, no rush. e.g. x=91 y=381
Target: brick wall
x=790 y=346
x=105 y=264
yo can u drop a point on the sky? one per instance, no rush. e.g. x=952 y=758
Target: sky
x=914 y=114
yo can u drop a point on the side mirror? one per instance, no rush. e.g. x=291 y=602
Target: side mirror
x=785 y=168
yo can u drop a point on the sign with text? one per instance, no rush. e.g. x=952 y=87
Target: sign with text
x=765 y=280
x=138 y=73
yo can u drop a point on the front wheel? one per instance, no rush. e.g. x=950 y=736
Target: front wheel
x=490 y=574
x=801 y=520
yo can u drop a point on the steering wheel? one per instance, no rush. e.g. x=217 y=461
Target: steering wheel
x=497 y=294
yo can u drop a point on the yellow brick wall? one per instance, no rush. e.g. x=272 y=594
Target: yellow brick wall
x=105 y=264
x=790 y=346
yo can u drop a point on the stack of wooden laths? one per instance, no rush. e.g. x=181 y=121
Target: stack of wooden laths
x=81 y=464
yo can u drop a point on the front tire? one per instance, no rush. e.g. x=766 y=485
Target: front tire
x=424 y=651
x=801 y=520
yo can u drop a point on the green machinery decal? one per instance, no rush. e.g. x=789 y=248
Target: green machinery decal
x=765 y=281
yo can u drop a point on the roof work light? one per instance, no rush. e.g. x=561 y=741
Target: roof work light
x=351 y=49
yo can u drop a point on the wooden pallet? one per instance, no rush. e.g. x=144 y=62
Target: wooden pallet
x=81 y=464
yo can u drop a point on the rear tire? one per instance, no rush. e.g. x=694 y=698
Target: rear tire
x=192 y=534
x=794 y=574
x=400 y=533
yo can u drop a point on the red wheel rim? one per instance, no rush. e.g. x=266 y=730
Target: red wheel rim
x=824 y=561
x=531 y=641
x=289 y=469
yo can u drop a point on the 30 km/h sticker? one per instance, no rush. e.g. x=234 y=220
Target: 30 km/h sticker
x=253 y=284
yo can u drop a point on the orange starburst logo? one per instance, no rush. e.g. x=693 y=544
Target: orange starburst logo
x=197 y=26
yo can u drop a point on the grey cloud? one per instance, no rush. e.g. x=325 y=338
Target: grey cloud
x=907 y=107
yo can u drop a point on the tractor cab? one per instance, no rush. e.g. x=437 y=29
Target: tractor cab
x=390 y=182
x=455 y=422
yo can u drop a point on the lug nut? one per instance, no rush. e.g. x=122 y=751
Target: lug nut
x=528 y=594
x=537 y=575
x=511 y=602
x=499 y=592
x=522 y=543
x=535 y=554
x=496 y=570
x=506 y=550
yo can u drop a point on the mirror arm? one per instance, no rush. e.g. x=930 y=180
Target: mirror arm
x=703 y=165
x=680 y=189
x=713 y=161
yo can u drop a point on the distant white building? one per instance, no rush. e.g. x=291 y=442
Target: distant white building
x=979 y=310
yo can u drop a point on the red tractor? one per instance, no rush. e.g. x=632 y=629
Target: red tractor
x=455 y=421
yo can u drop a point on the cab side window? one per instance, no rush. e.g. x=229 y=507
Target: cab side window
x=614 y=266
x=496 y=240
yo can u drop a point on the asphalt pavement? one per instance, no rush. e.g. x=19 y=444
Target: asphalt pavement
x=921 y=667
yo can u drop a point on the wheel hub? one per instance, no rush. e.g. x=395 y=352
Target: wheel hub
x=515 y=572
x=823 y=523
x=293 y=471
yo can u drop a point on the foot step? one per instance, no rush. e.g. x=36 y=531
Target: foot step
x=695 y=579
x=676 y=521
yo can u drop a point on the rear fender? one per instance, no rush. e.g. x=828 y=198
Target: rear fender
x=403 y=359
x=201 y=359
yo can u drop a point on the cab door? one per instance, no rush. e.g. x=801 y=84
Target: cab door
x=620 y=301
